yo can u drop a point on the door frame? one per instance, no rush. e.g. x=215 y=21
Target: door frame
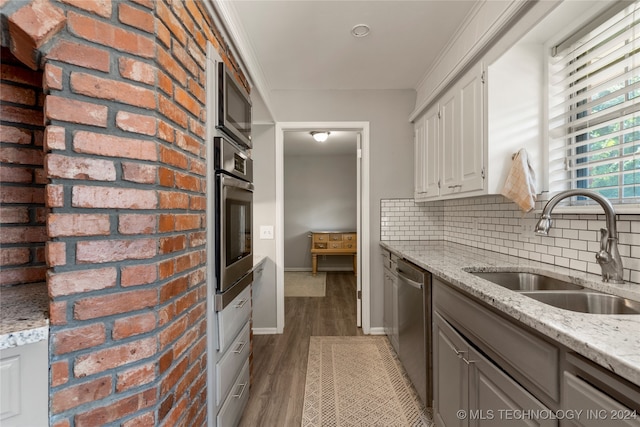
x=363 y=228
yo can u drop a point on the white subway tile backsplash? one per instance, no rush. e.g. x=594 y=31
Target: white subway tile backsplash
x=494 y=223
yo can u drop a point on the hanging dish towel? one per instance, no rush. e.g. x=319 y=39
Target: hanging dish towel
x=520 y=184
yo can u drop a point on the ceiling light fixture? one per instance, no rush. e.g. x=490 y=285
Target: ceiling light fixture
x=360 y=30
x=320 y=136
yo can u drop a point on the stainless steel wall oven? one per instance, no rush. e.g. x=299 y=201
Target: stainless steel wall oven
x=233 y=221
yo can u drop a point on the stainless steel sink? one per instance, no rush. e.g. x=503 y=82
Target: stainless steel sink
x=521 y=281
x=586 y=302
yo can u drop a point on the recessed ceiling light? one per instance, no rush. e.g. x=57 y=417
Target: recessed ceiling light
x=360 y=30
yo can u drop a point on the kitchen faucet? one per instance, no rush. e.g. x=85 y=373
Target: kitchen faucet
x=608 y=256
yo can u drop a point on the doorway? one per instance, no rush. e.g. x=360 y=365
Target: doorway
x=359 y=130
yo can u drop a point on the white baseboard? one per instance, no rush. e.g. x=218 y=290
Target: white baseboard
x=377 y=331
x=265 y=331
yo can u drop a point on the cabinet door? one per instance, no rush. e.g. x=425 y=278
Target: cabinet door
x=427 y=160
x=394 y=313
x=450 y=375
x=497 y=400
x=449 y=145
x=388 y=302
x=470 y=118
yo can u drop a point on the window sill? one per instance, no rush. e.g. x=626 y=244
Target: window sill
x=631 y=209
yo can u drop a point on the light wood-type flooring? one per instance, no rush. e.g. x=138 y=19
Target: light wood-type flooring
x=280 y=361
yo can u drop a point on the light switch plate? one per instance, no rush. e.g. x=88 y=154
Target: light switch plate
x=266 y=232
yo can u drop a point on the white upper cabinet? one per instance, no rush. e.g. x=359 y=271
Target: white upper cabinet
x=450 y=142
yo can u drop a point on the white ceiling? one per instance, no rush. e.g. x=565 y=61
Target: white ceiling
x=307 y=44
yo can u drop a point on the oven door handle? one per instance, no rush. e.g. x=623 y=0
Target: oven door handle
x=228 y=181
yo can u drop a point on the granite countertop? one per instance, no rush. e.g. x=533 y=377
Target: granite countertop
x=24 y=314
x=612 y=341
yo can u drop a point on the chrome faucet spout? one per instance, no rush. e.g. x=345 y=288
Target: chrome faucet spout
x=608 y=257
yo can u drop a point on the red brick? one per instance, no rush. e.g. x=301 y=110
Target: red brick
x=59 y=225
x=97 y=87
x=54 y=196
x=114 y=410
x=185 y=302
x=166 y=223
x=166 y=269
x=68 y=110
x=27 y=195
x=99 y=251
x=114 y=357
x=69 y=340
x=31 y=26
x=137 y=123
x=54 y=138
x=165 y=83
x=16 y=175
x=14 y=256
x=56 y=253
x=121 y=302
x=23 y=234
x=79 y=394
x=187 y=182
x=20 y=74
x=113 y=146
x=107 y=197
x=17 y=95
x=59 y=166
x=176 y=371
x=173 y=200
x=197 y=239
x=173 y=244
x=149 y=4
x=197 y=203
x=58 y=313
x=187 y=261
x=62 y=423
x=170 y=20
x=139 y=172
x=136 y=224
x=137 y=18
x=136 y=377
x=20 y=115
x=59 y=373
x=172 y=111
x=138 y=275
x=163 y=34
x=21 y=156
x=14 y=215
x=20 y=275
x=185 y=60
x=187 y=221
x=173 y=157
x=197 y=128
x=197 y=54
x=166 y=177
x=188 y=143
x=80 y=54
x=74 y=282
x=193 y=370
x=14 y=135
x=133 y=325
x=52 y=78
x=173 y=288
x=99 y=7
x=183 y=16
x=109 y=35
x=145 y=420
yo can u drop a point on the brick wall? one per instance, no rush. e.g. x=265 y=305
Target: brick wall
x=125 y=172
x=22 y=210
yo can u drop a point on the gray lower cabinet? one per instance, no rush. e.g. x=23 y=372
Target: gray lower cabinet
x=470 y=390
x=391 y=298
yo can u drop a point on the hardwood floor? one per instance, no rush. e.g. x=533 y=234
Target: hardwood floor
x=280 y=361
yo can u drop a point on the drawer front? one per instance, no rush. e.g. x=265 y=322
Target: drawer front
x=335 y=245
x=580 y=395
x=230 y=364
x=533 y=358
x=232 y=409
x=335 y=237
x=320 y=245
x=321 y=237
x=349 y=244
x=233 y=318
x=350 y=237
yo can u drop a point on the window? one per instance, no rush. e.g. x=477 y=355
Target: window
x=594 y=139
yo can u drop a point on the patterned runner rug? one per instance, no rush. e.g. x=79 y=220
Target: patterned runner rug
x=358 y=381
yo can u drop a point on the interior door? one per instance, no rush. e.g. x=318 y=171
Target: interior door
x=359 y=231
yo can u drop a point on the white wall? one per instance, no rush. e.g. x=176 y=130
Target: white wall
x=391 y=150
x=320 y=194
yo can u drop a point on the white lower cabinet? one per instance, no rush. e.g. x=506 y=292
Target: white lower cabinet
x=24 y=385
x=470 y=390
x=232 y=366
x=390 y=317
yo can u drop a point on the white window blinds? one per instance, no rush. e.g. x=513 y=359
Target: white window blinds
x=594 y=119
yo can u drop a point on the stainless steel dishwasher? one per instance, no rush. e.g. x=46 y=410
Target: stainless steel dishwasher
x=414 y=326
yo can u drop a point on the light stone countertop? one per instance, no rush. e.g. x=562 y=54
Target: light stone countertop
x=24 y=314
x=612 y=341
